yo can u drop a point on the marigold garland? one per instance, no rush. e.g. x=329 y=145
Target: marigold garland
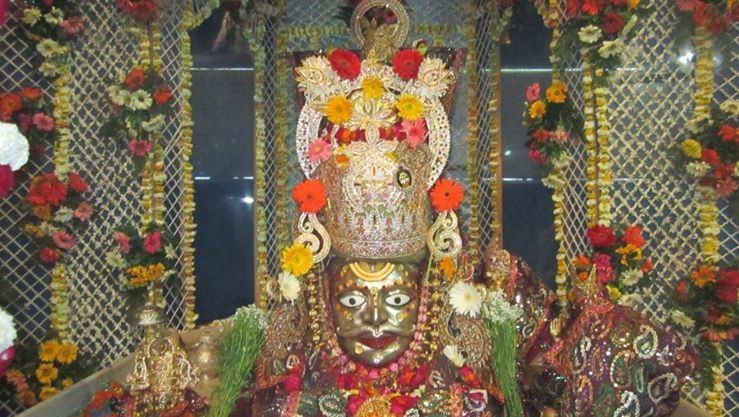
x=473 y=188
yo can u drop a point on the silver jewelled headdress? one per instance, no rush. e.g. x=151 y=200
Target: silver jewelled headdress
x=377 y=184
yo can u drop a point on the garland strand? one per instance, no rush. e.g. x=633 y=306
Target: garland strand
x=605 y=176
x=707 y=199
x=472 y=141
x=496 y=164
x=283 y=134
x=591 y=186
x=188 y=198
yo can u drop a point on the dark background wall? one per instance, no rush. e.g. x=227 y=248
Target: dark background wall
x=223 y=85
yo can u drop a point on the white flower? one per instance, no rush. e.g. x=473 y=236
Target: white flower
x=140 y=100
x=154 y=125
x=698 y=169
x=730 y=106
x=630 y=300
x=31 y=15
x=736 y=169
x=55 y=16
x=169 y=252
x=7 y=330
x=452 y=353
x=682 y=319
x=552 y=181
x=256 y=313
x=47 y=69
x=64 y=215
x=465 y=299
x=13 y=146
x=498 y=309
x=590 y=34
x=289 y=286
x=610 y=48
x=562 y=161
x=115 y=259
x=49 y=48
x=695 y=126
x=632 y=277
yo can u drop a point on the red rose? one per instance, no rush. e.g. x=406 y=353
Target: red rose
x=601 y=236
x=406 y=63
x=153 y=242
x=710 y=157
x=681 y=289
x=728 y=133
x=346 y=63
x=135 y=79
x=48 y=255
x=402 y=403
x=612 y=23
x=633 y=236
x=77 y=184
x=162 y=95
x=7 y=180
x=47 y=189
x=727 y=285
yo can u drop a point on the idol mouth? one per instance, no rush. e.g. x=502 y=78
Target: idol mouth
x=378 y=343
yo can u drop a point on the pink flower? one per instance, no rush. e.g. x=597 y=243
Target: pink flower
x=603 y=268
x=139 y=147
x=153 y=242
x=72 y=26
x=7 y=179
x=415 y=132
x=319 y=151
x=124 y=242
x=83 y=211
x=25 y=120
x=533 y=92
x=560 y=136
x=536 y=156
x=686 y=5
x=726 y=187
x=3 y=11
x=43 y=122
x=63 y=240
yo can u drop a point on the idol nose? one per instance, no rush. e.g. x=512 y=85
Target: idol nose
x=375 y=314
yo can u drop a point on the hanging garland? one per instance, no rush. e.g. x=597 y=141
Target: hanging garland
x=473 y=225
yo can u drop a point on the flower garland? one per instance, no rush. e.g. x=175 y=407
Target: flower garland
x=712 y=16
x=619 y=262
x=282 y=132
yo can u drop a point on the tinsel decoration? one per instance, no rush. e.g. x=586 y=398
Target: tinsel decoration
x=239 y=351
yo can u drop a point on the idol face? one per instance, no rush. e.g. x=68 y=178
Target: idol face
x=375 y=308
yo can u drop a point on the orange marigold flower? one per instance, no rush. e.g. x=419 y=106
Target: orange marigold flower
x=448 y=267
x=633 y=236
x=310 y=196
x=446 y=195
x=703 y=276
x=582 y=262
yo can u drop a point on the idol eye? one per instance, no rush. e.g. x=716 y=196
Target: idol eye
x=352 y=300
x=397 y=300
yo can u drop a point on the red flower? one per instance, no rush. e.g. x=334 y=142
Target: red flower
x=573 y=8
x=355 y=401
x=77 y=183
x=406 y=63
x=7 y=180
x=681 y=289
x=139 y=148
x=633 y=236
x=9 y=104
x=162 y=95
x=725 y=187
x=49 y=255
x=710 y=157
x=647 y=266
x=153 y=242
x=310 y=196
x=537 y=156
x=43 y=122
x=124 y=242
x=592 y=7
x=540 y=135
x=135 y=79
x=47 y=189
x=727 y=285
x=401 y=404
x=618 y=2
x=728 y=133
x=603 y=268
x=446 y=195
x=63 y=240
x=601 y=236
x=292 y=382
x=346 y=63
x=347 y=381
x=469 y=377
x=612 y=23
x=686 y=5
x=31 y=93
x=142 y=10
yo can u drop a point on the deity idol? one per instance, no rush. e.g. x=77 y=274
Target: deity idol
x=382 y=311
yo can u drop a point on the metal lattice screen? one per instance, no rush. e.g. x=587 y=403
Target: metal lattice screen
x=651 y=101
x=97 y=320
x=310 y=25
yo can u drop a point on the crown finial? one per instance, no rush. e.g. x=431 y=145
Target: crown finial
x=379 y=40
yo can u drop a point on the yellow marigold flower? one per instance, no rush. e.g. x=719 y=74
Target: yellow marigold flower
x=67 y=382
x=48 y=351
x=47 y=392
x=143 y=275
x=629 y=250
x=703 y=276
x=409 y=107
x=692 y=148
x=557 y=93
x=34 y=231
x=613 y=292
x=297 y=259
x=46 y=373
x=537 y=109
x=633 y=4
x=66 y=354
x=372 y=88
x=338 y=110
x=448 y=267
